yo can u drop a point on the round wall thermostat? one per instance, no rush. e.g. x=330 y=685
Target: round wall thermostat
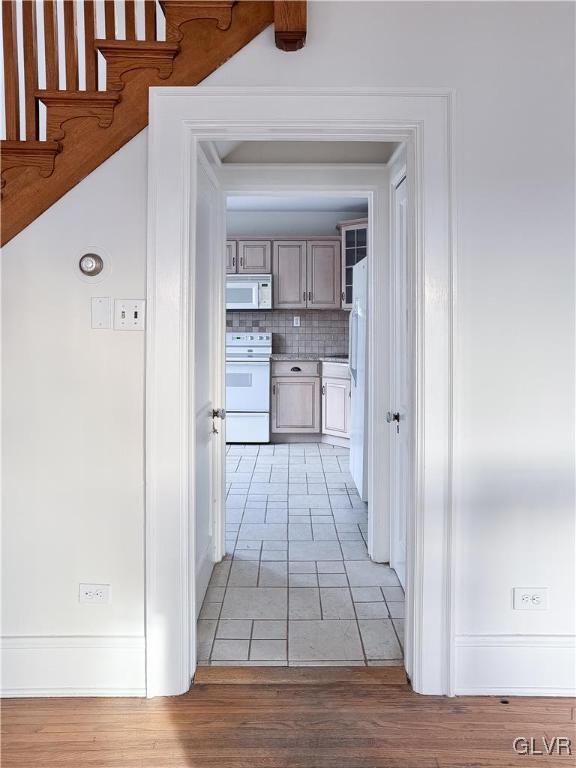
x=91 y=264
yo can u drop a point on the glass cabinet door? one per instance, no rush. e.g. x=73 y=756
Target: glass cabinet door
x=354 y=249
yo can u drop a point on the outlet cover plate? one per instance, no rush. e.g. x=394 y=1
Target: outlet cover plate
x=101 y=307
x=94 y=594
x=530 y=598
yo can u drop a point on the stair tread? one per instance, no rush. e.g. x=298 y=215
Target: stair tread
x=32 y=144
x=80 y=95
x=393 y=675
x=136 y=46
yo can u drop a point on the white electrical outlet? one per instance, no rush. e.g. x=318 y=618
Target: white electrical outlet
x=94 y=593
x=530 y=598
x=129 y=314
x=296 y=322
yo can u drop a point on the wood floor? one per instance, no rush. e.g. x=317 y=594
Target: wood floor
x=347 y=723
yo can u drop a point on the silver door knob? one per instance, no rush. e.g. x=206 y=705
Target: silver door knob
x=219 y=413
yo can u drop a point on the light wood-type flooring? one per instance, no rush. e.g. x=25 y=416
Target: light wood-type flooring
x=360 y=717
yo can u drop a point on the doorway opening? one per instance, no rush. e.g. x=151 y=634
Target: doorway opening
x=180 y=445
x=300 y=582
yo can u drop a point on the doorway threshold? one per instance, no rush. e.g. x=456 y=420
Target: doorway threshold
x=316 y=675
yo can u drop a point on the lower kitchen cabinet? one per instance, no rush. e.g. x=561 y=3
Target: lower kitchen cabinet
x=336 y=407
x=296 y=404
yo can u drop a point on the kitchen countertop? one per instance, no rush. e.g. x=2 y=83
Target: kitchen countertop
x=311 y=356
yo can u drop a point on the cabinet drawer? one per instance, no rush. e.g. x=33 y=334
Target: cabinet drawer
x=295 y=368
x=336 y=370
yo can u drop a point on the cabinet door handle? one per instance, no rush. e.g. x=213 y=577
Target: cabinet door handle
x=323 y=389
x=309 y=295
x=241 y=261
x=273 y=389
x=296 y=369
x=233 y=261
x=304 y=295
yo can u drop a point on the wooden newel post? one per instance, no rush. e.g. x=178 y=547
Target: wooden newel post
x=290 y=24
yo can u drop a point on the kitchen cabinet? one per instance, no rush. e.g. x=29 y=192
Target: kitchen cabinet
x=249 y=257
x=323 y=273
x=254 y=257
x=296 y=404
x=231 y=251
x=295 y=397
x=306 y=274
x=354 y=249
x=336 y=406
x=289 y=274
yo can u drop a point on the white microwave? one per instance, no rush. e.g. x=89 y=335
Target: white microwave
x=249 y=292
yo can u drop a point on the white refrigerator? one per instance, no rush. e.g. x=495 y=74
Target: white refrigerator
x=358 y=338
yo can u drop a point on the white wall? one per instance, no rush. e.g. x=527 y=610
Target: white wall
x=287 y=223
x=73 y=441
x=512 y=66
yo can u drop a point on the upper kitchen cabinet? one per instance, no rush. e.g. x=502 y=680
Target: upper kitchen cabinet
x=254 y=257
x=306 y=274
x=323 y=275
x=231 y=256
x=289 y=274
x=354 y=249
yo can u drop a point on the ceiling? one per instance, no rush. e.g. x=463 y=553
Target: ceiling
x=297 y=203
x=347 y=152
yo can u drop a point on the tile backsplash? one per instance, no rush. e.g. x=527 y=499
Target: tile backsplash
x=324 y=331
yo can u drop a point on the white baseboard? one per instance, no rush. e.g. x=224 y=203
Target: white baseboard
x=73 y=665
x=204 y=567
x=515 y=665
x=341 y=442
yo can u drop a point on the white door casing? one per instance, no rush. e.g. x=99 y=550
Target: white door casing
x=401 y=378
x=179 y=118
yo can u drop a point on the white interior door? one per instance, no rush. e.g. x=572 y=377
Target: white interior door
x=207 y=378
x=358 y=379
x=400 y=429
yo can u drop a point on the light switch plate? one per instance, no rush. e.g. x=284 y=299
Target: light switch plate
x=530 y=598
x=296 y=321
x=101 y=307
x=129 y=314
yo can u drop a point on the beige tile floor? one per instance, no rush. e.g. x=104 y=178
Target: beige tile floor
x=297 y=586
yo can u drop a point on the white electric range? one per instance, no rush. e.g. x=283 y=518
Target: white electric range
x=248 y=387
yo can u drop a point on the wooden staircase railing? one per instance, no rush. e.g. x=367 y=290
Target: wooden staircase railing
x=76 y=115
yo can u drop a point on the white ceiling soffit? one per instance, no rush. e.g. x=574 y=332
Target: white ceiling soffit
x=297 y=203
x=352 y=152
